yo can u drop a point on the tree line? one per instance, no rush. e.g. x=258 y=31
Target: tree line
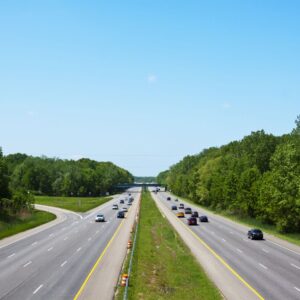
x=258 y=177
x=22 y=176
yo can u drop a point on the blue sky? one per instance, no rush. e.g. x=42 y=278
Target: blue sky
x=144 y=83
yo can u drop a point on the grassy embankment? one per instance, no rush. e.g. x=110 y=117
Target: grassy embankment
x=12 y=225
x=163 y=266
x=251 y=222
x=78 y=204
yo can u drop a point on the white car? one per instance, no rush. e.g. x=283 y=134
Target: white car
x=100 y=218
x=115 y=206
x=125 y=209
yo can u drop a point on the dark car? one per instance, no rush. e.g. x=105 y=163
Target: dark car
x=188 y=211
x=181 y=206
x=174 y=207
x=121 y=214
x=195 y=214
x=168 y=198
x=255 y=234
x=176 y=200
x=121 y=201
x=203 y=219
x=192 y=221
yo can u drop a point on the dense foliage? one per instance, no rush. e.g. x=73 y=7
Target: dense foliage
x=22 y=175
x=258 y=176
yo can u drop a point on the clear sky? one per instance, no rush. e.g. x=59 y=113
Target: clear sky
x=144 y=83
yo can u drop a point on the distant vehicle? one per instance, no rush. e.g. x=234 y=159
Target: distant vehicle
x=192 y=221
x=125 y=209
x=131 y=199
x=129 y=194
x=255 y=234
x=168 y=198
x=203 y=219
x=176 y=200
x=188 y=211
x=180 y=214
x=121 y=201
x=129 y=203
x=174 y=207
x=115 y=206
x=195 y=214
x=121 y=214
x=181 y=206
x=100 y=218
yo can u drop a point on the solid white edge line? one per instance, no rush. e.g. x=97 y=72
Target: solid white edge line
x=283 y=247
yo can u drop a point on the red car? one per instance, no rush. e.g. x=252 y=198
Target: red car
x=192 y=221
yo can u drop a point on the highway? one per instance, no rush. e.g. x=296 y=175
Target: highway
x=54 y=263
x=268 y=269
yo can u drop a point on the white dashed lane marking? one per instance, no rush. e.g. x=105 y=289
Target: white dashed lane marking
x=295 y=266
x=265 y=250
x=239 y=250
x=63 y=263
x=9 y=256
x=33 y=244
x=49 y=249
x=27 y=264
x=78 y=249
x=37 y=289
x=263 y=266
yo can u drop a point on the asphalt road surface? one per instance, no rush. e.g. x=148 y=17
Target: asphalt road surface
x=270 y=267
x=53 y=263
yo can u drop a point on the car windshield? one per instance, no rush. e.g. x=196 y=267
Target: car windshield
x=256 y=230
x=99 y=216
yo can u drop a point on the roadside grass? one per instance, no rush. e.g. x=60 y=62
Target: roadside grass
x=251 y=222
x=163 y=266
x=78 y=204
x=12 y=225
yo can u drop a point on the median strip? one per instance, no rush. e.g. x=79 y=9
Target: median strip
x=163 y=266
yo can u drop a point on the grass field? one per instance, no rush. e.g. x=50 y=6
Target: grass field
x=78 y=204
x=163 y=267
x=251 y=222
x=12 y=225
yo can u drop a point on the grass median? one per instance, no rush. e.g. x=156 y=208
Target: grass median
x=10 y=225
x=78 y=204
x=163 y=266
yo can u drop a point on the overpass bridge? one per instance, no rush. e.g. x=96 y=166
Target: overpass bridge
x=144 y=186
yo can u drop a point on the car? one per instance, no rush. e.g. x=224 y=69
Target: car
x=195 y=214
x=192 y=221
x=180 y=214
x=176 y=200
x=203 y=219
x=121 y=214
x=121 y=201
x=181 y=206
x=188 y=211
x=100 y=218
x=255 y=234
x=115 y=206
x=129 y=203
x=125 y=209
x=131 y=199
x=129 y=194
x=174 y=207
x=168 y=198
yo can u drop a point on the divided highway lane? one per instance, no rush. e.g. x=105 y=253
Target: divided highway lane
x=52 y=264
x=273 y=270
